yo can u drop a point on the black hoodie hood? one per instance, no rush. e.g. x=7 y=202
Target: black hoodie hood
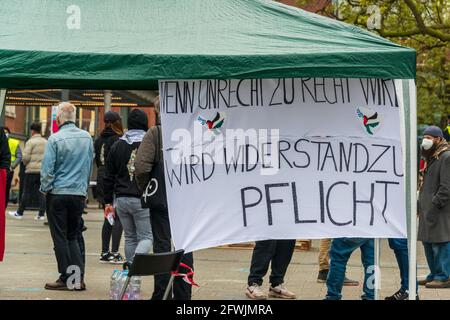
x=108 y=132
x=102 y=145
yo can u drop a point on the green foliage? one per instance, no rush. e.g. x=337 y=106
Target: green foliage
x=420 y=24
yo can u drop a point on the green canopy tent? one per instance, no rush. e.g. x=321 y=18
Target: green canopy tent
x=115 y=44
x=130 y=45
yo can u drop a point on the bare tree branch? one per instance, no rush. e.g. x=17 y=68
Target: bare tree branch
x=399 y=34
x=421 y=24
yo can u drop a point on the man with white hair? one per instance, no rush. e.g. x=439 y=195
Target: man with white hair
x=65 y=173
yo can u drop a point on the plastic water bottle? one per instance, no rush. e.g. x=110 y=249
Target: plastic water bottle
x=122 y=280
x=111 y=285
x=118 y=285
x=135 y=288
x=114 y=285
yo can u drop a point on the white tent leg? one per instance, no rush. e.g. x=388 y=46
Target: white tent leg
x=410 y=91
x=407 y=95
x=377 y=261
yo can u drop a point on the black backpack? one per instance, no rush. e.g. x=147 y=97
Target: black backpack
x=154 y=196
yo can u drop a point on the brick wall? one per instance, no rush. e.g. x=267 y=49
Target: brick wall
x=17 y=124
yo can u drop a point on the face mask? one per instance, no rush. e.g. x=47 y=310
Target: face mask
x=427 y=144
x=7 y=135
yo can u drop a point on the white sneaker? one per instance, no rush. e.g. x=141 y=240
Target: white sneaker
x=281 y=292
x=255 y=292
x=15 y=215
x=39 y=218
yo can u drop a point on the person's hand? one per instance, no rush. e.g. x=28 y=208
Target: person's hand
x=109 y=209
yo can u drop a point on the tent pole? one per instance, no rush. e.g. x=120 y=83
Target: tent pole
x=2 y=106
x=65 y=94
x=377 y=270
x=409 y=90
x=107 y=99
x=413 y=222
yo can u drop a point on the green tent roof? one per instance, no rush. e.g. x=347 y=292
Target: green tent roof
x=132 y=44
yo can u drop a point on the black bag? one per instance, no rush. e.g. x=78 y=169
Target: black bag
x=154 y=196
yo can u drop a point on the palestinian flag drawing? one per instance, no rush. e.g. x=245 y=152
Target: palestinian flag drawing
x=370 y=119
x=214 y=124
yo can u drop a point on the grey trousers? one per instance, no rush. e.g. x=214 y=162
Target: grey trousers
x=136 y=226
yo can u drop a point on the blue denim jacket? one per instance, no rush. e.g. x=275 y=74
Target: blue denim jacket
x=67 y=164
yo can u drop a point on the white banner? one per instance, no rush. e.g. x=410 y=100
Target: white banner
x=259 y=159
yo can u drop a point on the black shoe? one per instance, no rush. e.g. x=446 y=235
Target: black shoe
x=400 y=295
x=116 y=258
x=106 y=257
x=322 y=277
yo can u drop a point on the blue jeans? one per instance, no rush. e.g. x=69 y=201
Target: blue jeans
x=340 y=252
x=438 y=258
x=400 y=248
x=136 y=226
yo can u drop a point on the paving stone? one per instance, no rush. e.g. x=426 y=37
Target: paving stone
x=221 y=273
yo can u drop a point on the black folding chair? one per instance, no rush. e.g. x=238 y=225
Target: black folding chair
x=153 y=264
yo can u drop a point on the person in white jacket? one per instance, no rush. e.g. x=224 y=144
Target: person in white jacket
x=32 y=156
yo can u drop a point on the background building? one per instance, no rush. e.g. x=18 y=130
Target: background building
x=22 y=107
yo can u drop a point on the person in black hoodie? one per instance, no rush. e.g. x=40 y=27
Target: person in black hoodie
x=5 y=163
x=102 y=145
x=120 y=183
x=148 y=156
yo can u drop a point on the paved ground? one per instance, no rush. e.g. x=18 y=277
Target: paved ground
x=221 y=273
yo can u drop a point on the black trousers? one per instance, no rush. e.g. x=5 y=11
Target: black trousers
x=21 y=180
x=113 y=233
x=162 y=242
x=277 y=252
x=30 y=188
x=64 y=219
x=81 y=243
x=9 y=177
